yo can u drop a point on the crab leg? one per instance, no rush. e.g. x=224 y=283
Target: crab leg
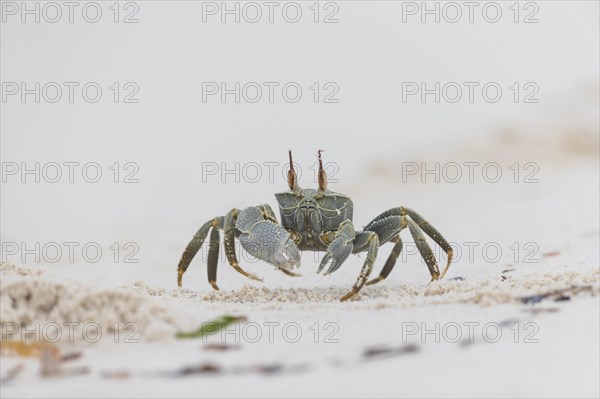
x=370 y=240
x=194 y=246
x=391 y=261
x=227 y=224
x=264 y=225
x=388 y=228
x=423 y=224
x=431 y=232
x=424 y=250
x=213 y=257
x=229 y=244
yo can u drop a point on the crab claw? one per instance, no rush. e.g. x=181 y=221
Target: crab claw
x=339 y=250
x=288 y=256
x=267 y=240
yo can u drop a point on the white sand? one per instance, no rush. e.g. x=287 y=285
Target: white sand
x=27 y=302
x=549 y=348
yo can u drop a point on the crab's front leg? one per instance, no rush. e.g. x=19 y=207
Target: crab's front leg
x=266 y=240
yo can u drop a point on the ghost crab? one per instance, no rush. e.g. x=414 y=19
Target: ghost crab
x=312 y=220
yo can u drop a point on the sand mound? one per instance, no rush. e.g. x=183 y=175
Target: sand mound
x=508 y=287
x=53 y=311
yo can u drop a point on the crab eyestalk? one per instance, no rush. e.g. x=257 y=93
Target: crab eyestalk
x=292 y=178
x=322 y=176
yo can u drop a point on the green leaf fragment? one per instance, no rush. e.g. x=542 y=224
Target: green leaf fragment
x=211 y=327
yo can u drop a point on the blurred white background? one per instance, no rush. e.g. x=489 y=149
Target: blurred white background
x=368 y=54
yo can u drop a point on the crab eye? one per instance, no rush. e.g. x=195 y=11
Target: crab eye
x=292 y=179
x=322 y=176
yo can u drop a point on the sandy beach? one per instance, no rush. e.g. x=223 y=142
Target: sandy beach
x=100 y=198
